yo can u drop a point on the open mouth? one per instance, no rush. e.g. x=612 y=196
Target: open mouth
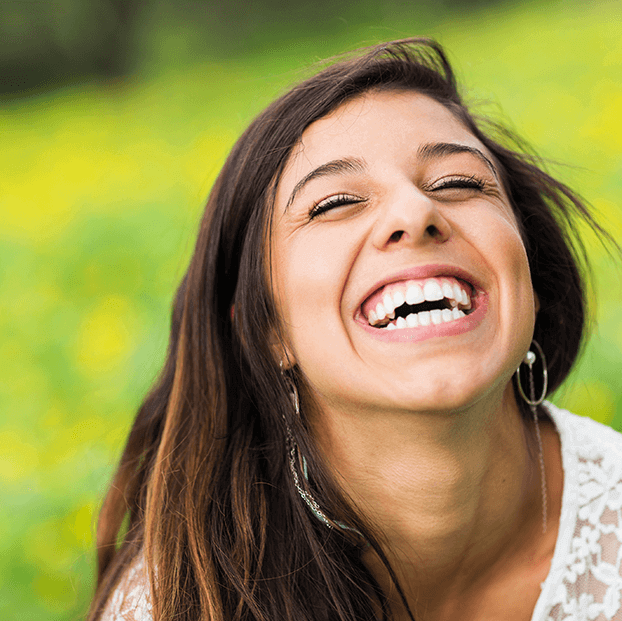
x=420 y=302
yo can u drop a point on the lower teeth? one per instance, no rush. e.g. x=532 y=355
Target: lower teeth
x=425 y=318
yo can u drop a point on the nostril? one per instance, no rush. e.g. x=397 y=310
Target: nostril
x=396 y=236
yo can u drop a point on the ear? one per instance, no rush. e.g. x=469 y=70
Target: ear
x=536 y=300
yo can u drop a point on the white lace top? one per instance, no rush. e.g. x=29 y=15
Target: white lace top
x=584 y=582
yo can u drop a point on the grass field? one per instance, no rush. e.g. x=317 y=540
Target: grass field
x=100 y=197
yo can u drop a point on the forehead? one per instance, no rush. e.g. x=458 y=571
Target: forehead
x=376 y=125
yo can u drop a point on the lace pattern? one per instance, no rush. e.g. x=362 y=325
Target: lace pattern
x=131 y=601
x=584 y=582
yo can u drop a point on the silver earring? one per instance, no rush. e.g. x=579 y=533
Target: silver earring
x=294 y=455
x=529 y=360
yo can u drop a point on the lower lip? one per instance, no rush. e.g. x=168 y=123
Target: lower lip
x=421 y=333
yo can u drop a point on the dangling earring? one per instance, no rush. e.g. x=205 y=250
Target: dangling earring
x=294 y=453
x=529 y=360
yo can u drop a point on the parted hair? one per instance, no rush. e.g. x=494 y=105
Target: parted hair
x=203 y=489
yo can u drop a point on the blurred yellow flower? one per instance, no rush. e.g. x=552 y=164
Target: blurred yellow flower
x=105 y=340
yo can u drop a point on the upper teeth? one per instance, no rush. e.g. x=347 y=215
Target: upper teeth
x=416 y=292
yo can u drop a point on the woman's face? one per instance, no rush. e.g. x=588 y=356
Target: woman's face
x=390 y=202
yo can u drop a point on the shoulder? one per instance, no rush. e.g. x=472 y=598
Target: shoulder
x=131 y=599
x=585 y=581
x=588 y=439
x=592 y=463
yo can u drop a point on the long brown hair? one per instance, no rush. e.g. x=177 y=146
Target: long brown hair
x=204 y=489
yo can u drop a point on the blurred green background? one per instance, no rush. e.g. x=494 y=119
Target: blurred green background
x=115 y=118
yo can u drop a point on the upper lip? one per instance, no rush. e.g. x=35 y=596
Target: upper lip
x=434 y=270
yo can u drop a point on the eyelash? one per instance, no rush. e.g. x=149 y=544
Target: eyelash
x=447 y=183
x=331 y=202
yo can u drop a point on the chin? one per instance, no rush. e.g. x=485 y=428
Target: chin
x=448 y=393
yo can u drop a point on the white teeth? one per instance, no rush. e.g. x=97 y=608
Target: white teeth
x=448 y=290
x=435 y=316
x=432 y=291
x=388 y=303
x=457 y=293
x=424 y=318
x=465 y=300
x=414 y=295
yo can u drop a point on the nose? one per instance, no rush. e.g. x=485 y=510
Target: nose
x=410 y=219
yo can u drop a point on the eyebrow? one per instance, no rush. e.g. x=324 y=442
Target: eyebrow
x=434 y=150
x=431 y=150
x=334 y=167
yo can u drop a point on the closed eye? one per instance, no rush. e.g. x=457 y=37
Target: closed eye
x=332 y=202
x=457 y=182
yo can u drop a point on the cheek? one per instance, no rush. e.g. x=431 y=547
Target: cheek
x=310 y=272
x=498 y=238
x=502 y=252
x=517 y=302
x=511 y=252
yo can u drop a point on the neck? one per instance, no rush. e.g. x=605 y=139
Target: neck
x=450 y=493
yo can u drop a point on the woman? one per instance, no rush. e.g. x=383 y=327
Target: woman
x=350 y=424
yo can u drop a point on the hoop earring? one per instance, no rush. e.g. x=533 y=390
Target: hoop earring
x=294 y=455
x=529 y=360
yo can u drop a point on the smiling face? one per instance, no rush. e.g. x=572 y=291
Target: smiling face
x=390 y=202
